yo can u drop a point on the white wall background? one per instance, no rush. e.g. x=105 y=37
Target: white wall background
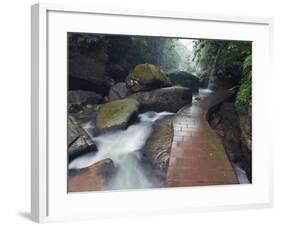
x=15 y=110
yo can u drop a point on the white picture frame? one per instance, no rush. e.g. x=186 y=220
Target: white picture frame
x=49 y=199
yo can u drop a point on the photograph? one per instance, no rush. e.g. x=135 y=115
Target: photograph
x=147 y=112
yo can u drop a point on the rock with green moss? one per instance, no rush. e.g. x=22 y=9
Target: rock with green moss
x=116 y=115
x=146 y=77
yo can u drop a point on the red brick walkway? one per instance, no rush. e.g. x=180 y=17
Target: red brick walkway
x=197 y=154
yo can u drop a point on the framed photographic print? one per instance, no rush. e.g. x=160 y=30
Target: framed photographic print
x=144 y=112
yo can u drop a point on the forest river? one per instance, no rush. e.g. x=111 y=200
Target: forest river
x=124 y=148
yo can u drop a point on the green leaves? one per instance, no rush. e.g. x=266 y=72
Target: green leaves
x=227 y=59
x=244 y=95
x=247 y=65
x=225 y=56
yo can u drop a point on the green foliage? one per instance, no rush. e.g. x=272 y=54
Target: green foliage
x=244 y=95
x=219 y=58
x=227 y=59
x=247 y=65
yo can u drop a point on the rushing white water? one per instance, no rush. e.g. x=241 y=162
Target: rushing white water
x=240 y=173
x=123 y=147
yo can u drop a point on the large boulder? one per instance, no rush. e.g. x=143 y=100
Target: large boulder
x=117 y=72
x=233 y=123
x=87 y=65
x=158 y=146
x=204 y=82
x=92 y=178
x=146 y=77
x=185 y=79
x=78 y=141
x=232 y=133
x=165 y=99
x=224 y=119
x=118 y=91
x=116 y=115
x=77 y=99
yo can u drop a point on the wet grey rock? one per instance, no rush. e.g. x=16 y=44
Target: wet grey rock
x=165 y=99
x=118 y=91
x=158 y=147
x=78 y=141
x=185 y=79
x=245 y=121
x=77 y=99
x=226 y=123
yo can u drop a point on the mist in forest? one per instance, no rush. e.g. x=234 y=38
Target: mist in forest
x=135 y=101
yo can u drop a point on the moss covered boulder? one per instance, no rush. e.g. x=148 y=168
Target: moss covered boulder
x=146 y=77
x=116 y=115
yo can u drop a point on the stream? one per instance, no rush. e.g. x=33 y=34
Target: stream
x=124 y=148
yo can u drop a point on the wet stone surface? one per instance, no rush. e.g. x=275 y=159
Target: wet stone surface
x=197 y=156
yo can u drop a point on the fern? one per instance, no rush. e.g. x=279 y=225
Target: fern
x=247 y=65
x=244 y=95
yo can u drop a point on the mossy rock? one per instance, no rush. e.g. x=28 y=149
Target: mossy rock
x=147 y=77
x=116 y=114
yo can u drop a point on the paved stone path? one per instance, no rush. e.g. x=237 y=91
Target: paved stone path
x=197 y=155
